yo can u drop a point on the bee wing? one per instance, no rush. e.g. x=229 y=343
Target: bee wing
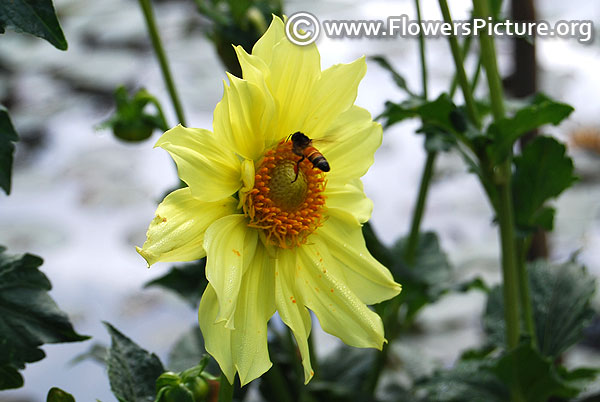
x=323 y=141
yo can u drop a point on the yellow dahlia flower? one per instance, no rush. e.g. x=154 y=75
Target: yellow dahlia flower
x=279 y=234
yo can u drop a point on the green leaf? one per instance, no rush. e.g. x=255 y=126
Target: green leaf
x=34 y=317
x=97 y=352
x=8 y=136
x=469 y=380
x=479 y=377
x=542 y=172
x=493 y=317
x=444 y=123
x=580 y=378
x=58 y=395
x=187 y=281
x=436 y=139
x=476 y=283
x=237 y=23
x=36 y=17
x=440 y=113
x=342 y=375
x=377 y=249
x=396 y=112
x=132 y=371
x=189 y=350
x=507 y=131
x=561 y=297
x=10 y=378
x=239 y=8
x=398 y=79
x=436 y=112
x=536 y=375
x=428 y=278
x=442 y=120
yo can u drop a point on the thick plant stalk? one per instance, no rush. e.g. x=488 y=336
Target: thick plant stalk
x=504 y=205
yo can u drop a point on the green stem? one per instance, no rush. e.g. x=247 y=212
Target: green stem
x=464 y=51
x=509 y=258
x=275 y=378
x=225 y=390
x=162 y=58
x=510 y=278
x=504 y=205
x=488 y=58
x=461 y=75
x=525 y=296
x=390 y=323
x=476 y=75
x=413 y=238
x=422 y=52
x=488 y=54
x=159 y=110
x=294 y=357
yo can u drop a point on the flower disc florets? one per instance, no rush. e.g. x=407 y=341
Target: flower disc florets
x=287 y=199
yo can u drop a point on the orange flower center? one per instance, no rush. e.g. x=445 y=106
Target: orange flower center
x=286 y=208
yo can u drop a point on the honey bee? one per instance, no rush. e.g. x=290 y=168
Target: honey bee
x=302 y=146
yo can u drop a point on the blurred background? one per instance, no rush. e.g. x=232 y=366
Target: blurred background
x=82 y=199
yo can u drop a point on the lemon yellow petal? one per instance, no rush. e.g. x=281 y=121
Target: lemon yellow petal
x=350 y=198
x=290 y=306
x=294 y=71
x=263 y=48
x=255 y=306
x=364 y=275
x=230 y=246
x=332 y=94
x=254 y=69
x=177 y=231
x=340 y=312
x=207 y=165
x=243 y=117
x=217 y=338
x=243 y=349
x=256 y=72
x=354 y=140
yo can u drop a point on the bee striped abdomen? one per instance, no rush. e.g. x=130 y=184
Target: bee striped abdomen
x=317 y=159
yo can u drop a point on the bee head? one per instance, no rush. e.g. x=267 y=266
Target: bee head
x=299 y=138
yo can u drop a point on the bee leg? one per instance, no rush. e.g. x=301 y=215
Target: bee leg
x=298 y=168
